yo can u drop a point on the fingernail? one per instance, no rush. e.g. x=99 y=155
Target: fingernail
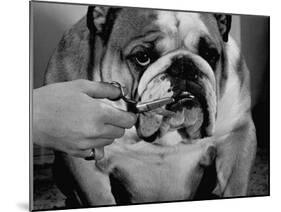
x=125 y=91
x=135 y=116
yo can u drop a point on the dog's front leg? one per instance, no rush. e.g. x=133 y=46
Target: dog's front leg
x=236 y=154
x=89 y=186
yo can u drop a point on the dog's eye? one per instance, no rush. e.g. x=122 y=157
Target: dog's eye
x=208 y=52
x=142 y=58
x=211 y=55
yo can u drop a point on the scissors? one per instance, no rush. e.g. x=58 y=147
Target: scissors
x=142 y=106
x=137 y=107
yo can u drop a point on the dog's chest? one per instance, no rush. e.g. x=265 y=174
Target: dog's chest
x=149 y=175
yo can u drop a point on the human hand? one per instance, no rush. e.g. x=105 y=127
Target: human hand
x=70 y=116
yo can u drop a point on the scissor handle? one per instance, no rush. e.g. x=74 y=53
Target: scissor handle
x=122 y=95
x=118 y=85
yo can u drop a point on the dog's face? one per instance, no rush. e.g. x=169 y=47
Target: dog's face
x=158 y=54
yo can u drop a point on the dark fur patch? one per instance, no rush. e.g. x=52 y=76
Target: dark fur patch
x=92 y=31
x=223 y=74
x=110 y=20
x=241 y=67
x=105 y=34
x=130 y=24
x=207 y=184
x=212 y=25
x=119 y=188
x=224 y=25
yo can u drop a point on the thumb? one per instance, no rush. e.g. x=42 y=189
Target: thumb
x=99 y=89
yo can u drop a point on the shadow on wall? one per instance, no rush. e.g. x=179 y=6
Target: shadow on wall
x=255 y=47
x=50 y=22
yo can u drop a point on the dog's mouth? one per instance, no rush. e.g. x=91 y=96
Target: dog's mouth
x=188 y=113
x=184 y=99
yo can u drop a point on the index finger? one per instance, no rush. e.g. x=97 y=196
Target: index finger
x=99 y=89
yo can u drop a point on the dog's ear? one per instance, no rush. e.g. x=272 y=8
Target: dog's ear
x=100 y=20
x=96 y=18
x=224 y=25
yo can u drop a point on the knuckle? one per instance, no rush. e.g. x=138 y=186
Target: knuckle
x=102 y=111
x=91 y=129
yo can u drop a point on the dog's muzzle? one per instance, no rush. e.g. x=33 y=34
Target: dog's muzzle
x=178 y=74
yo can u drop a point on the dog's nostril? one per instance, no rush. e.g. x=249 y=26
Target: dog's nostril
x=175 y=69
x=184 y=68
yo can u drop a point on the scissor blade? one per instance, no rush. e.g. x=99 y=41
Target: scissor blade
x=147 y=106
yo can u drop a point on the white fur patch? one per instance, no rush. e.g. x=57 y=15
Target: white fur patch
x=231 y=107
x=181 y=28
x=170 y=139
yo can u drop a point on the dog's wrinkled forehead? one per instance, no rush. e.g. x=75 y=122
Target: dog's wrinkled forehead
x=130 y=24
x=178 y=29
x=184 y=29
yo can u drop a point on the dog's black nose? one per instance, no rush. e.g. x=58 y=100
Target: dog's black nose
x=183 y=67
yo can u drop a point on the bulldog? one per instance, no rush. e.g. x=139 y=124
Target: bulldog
x=195 y=146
